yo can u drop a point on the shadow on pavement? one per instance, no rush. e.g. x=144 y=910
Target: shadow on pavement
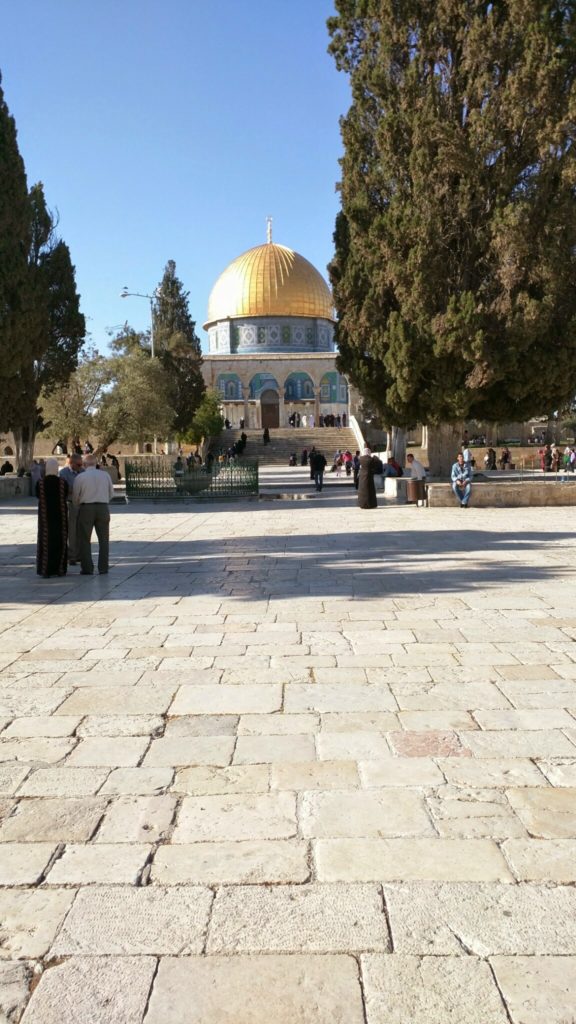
x=286 y=562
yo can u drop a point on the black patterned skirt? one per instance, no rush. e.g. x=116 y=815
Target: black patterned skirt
x=52 y=547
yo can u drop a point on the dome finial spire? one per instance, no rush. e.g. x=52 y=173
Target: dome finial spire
x=268 y=228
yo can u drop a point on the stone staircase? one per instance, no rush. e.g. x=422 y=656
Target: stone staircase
x=285 y=440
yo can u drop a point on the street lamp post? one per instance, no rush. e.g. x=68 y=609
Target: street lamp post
x=125 y=294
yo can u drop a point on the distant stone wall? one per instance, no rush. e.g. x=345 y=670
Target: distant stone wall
x=511 y=494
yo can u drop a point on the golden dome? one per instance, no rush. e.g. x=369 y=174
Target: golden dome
x=269 y=280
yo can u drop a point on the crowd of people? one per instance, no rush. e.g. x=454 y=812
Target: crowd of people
x=363 y=469
x=552 y=460
x=324 y=420
x=109 y=463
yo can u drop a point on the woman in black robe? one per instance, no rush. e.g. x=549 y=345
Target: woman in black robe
x=366 y=486
x=52 y=547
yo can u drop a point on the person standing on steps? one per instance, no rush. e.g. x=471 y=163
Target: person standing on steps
x=266 y=436
x=92 y=494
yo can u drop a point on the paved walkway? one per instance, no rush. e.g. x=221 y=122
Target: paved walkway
x=291 y=762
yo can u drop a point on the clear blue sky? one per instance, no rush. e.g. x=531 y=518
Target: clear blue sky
x=170 y=131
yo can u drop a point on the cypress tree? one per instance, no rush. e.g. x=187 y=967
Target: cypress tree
x=454 y=262
x=178 y=348
x=14 y=243
x=55 y=328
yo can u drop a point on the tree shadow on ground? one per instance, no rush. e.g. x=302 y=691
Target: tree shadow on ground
x=403 y=563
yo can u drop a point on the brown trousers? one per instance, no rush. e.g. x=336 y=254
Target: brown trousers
x=93 y=517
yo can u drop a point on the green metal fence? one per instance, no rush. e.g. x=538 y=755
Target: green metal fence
x=155 y=480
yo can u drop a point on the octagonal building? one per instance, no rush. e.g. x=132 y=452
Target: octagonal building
x=271 y=352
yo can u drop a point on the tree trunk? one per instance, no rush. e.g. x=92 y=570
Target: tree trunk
x=399 y=445
x=24 y=438
x=443 y=447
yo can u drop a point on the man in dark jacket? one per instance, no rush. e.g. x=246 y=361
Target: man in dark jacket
x=317 y=467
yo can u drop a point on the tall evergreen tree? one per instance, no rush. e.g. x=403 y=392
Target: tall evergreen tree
x=455 y=252
x=56 y=328
x=14 y=243
x=178 y=348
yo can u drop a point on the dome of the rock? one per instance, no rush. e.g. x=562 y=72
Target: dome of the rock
x=271 y=351
x=269 y=280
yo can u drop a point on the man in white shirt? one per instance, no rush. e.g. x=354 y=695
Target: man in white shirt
x=93 y=491
x=417 y=470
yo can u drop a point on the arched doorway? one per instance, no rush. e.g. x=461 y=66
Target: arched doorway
x=270 y=408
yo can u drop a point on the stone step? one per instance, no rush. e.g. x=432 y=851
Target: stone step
x=286 y=440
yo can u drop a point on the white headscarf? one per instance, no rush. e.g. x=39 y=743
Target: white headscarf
x=51 y=467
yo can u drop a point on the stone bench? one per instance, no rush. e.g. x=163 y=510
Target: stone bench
x=507 y=494
x=12 y=486
x=393 y=488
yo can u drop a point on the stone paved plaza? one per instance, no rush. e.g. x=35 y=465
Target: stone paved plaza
x=291 y=762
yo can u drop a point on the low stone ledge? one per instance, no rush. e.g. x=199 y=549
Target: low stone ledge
x=393 y=489
x=12 y=486
x=508 y=494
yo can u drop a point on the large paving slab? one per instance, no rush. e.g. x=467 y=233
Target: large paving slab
x=306 y=762
x=124 y=921
x=480 y=919
x=312 y=918
x=93 y=990
x=537 y=989
x=430 y=990
x=254 y=989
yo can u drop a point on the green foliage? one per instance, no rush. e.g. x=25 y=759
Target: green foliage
x=208 y=420
x=69 y=408
x=14 y=245
x=48 y=332
x=41 y=327
x=178 y=348
x=137 y=406
x=455 y=252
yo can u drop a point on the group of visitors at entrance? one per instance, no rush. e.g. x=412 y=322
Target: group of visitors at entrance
x=330 y=420
x=324 y=420
x=72 y=502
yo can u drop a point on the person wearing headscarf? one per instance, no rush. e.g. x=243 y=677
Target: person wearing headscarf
x=52 y=546
x=366 y=485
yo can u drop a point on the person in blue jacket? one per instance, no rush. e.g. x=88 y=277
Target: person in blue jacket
x=461 y=477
